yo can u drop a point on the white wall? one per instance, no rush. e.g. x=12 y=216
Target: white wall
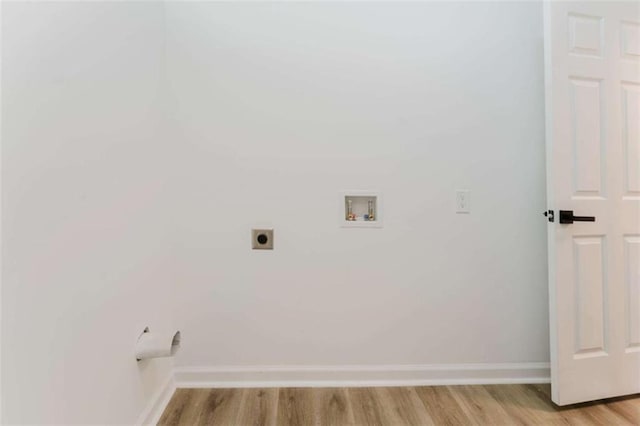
x=85 y=210
x=279 y=107
x=113 y=214
x=1 y=239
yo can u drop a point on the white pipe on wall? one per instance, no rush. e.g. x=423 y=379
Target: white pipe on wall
x=157 y=345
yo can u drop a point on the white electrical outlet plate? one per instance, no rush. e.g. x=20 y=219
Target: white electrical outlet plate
x=463 y=199
x=262 y=239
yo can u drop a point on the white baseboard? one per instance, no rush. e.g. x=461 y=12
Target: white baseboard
x=360 y=375
x=151 y=415
x=341 y=376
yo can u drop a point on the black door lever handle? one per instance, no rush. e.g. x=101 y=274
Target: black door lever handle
x=566 y=216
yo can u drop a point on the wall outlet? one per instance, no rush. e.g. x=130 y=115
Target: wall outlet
x=262 y=239
x=463 y=199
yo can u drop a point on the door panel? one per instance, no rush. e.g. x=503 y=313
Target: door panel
x=632 y=269
x=593 y=168
x=586 y=120
x=590 y=291
x=631 y=136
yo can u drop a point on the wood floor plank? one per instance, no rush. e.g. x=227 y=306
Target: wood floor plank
x=442 y=406
x=592 y=413
x=479 y=405
x=258 y=407
x=404 y=406
x=332 y=407
x=524 y=405
x=367 y=408
x=295 y=407
x=181 y=403
x=219 y=407
x=542 y=389
x=627 y=408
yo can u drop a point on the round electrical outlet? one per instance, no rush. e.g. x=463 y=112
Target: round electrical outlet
x=262 y=239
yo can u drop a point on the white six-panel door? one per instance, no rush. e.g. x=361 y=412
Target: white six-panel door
x=592 y=56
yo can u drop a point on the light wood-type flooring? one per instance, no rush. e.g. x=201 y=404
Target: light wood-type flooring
x=433 y=405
